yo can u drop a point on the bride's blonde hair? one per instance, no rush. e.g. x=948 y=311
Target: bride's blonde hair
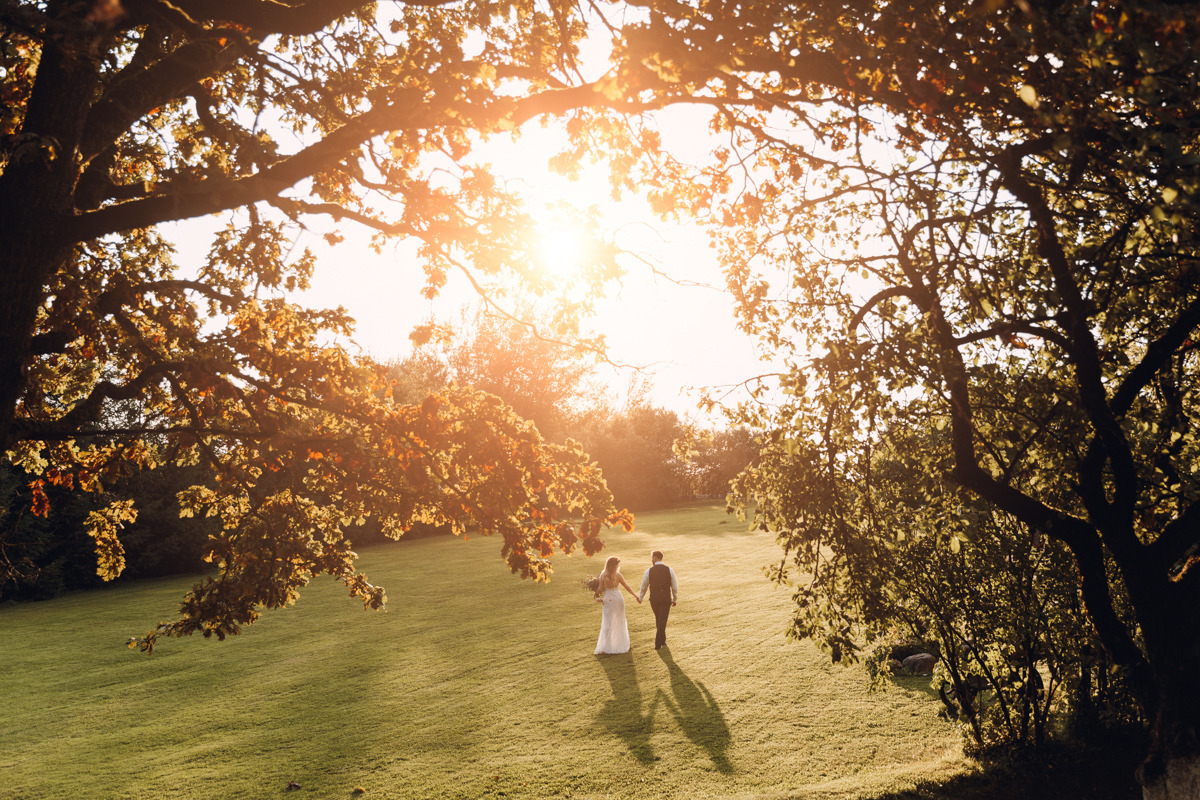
x=608 y=578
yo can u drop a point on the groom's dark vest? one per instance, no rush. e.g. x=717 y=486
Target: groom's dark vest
x=660 y=582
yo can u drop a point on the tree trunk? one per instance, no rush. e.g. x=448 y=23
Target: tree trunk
x=37 y=189
x=1178 y=780
x=22 y=287
x=32 y=247
x=1172 y=770
x=1169 y=625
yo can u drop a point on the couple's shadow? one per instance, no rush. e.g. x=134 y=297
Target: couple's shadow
x=693 y=707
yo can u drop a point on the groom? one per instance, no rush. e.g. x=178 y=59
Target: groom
x=664 y=592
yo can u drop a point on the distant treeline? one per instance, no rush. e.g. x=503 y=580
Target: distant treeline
x=635 y=449
x=650 y=459
x=63 y=556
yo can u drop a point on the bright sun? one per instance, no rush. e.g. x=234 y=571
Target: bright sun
x=562 y=250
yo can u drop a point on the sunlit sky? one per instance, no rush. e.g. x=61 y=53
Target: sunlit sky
x=683 y=336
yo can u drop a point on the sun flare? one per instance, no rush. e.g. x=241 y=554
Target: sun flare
x=562 y=251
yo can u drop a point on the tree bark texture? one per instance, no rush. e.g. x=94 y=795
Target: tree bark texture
x=36 y=205
x=1179 y=780
x=1172 y=769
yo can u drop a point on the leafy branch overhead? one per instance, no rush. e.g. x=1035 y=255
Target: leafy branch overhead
x=116 y=117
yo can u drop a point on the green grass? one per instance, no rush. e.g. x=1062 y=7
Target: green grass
x=472 y=684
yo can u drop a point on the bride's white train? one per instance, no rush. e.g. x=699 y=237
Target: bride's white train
x=614 y=628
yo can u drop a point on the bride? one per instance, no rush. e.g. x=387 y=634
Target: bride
x=614 y=630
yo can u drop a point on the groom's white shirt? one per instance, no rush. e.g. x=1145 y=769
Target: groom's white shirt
x=646 y=583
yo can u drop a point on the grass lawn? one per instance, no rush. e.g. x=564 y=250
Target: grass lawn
x=474 y=684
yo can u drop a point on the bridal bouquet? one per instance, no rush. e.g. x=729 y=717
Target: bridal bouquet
x=592 y=584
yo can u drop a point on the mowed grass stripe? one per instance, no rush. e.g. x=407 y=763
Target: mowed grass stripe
x=472 y=684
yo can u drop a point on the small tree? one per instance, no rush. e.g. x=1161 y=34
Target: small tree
x=417 y=376
x=925 y=565
x=715 y=458
x=544 y=380
x=634 y=448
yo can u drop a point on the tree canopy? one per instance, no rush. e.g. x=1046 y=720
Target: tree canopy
x=977 y=219
x=543 y=380
x=117 y=117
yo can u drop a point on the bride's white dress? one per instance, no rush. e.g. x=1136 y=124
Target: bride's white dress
x=614 y=629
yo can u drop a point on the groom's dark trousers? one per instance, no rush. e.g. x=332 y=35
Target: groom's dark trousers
x=662 y=609
x=660 y=601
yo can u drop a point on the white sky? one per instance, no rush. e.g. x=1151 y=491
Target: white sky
x=684 y=336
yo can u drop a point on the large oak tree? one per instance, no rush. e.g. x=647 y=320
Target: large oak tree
x=117 y=116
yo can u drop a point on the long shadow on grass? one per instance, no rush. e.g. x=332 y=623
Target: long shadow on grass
x=698 y=714
x=623 y=715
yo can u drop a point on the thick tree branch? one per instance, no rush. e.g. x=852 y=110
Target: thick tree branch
x=137 y=89
x=219 y=195
x=1179 y=537
x=1158 y=354
x=205 y=289
x=1081 y=538
x=50 y=342
x=1007 y=328
x=886 y=294
x=23 y=19
x=408 y=110
x=88 y=409
x=1110 y=443
x=55 y=433
x=295 y=208
x=265 y=17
